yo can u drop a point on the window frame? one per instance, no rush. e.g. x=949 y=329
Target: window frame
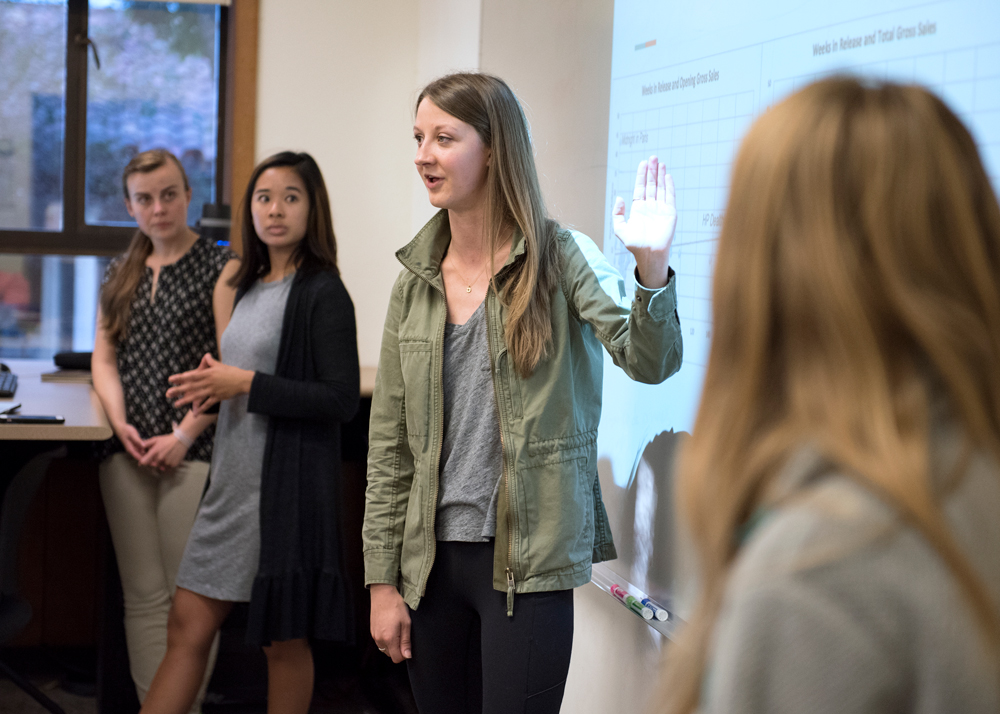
x=76 y=237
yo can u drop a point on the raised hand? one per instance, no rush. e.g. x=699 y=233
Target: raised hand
x=649 y=230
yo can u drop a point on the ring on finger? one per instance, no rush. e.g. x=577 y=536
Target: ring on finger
x=382 y=649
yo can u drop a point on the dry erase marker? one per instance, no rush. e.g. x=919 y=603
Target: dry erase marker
x=630 y=602
x=661 y=614
x=638 y=608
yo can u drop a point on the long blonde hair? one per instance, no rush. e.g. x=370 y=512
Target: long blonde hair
x=118 y=291
x=857 y=275
x=513 y=198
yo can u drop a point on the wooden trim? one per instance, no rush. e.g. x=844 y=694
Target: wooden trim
x=89 y=240
x=77 y=237
x=241 y=106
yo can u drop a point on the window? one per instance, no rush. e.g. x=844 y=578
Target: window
x=67 y=129
x=158 y=88
x=83 y=88
x=32 y=107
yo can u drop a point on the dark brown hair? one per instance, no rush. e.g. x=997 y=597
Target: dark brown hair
x=316 y=251
x=513 y=199
x=117 y=292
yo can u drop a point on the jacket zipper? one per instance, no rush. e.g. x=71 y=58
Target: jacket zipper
x=503 y=460
x=503 y=471
x=437 y=463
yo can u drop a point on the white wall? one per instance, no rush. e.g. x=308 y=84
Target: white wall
x=448 y=42
x=338 y=79
x=556 y=56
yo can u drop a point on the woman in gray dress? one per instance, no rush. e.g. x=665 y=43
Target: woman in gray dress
x=288 y=375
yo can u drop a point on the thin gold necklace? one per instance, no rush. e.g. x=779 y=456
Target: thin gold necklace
x=468 y=284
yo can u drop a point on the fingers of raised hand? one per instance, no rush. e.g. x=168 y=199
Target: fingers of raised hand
x=651 y=169
x=618 y=221
x=669 y=192
x=661 y=183
x=640 y=183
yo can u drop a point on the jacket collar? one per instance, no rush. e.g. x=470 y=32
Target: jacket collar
x=422 y=256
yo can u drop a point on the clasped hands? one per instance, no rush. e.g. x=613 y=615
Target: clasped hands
x=649 y=230
x=163 y=452
x=208 y=384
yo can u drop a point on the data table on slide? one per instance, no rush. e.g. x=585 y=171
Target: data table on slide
x=689 y=95
x=696 y=140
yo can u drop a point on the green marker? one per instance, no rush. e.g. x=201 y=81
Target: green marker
x=638 y=608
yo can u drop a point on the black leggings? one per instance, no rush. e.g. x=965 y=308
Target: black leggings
x=468 y=656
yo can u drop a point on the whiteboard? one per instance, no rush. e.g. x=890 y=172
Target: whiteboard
x=687 y=80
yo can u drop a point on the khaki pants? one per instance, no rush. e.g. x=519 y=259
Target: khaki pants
x=150 y=515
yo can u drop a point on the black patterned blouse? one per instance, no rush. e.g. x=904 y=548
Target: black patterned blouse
x=167 y=336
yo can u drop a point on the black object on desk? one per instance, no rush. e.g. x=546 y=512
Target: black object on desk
x=31 y=419
x=72 y=360
x=8 y=382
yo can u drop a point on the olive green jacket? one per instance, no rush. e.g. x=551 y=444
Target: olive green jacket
x=551 y=522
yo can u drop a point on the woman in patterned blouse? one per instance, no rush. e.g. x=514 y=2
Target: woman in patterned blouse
x=163 y=304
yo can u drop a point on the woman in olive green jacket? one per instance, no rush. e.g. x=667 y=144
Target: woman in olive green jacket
x=482 y=475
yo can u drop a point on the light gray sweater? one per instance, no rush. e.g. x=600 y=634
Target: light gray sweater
x=834 y=605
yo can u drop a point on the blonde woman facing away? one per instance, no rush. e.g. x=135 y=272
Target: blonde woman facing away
x=842 y=483
x=483 y=504
x=162 y=307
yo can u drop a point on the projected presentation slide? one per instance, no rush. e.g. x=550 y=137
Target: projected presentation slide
x=687 y=80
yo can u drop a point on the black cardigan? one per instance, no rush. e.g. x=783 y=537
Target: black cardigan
x=301 y=589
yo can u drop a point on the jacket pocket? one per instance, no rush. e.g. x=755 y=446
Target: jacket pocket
x=511 y=383
x=415 y=362
x=556 y=506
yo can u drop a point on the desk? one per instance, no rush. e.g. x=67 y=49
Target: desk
x=66 y=543
x=78 y=403
x=73 y=510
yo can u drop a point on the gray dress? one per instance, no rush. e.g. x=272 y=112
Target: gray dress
x=220 y=560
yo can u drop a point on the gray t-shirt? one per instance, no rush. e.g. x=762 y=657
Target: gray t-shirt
x=471 y=455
